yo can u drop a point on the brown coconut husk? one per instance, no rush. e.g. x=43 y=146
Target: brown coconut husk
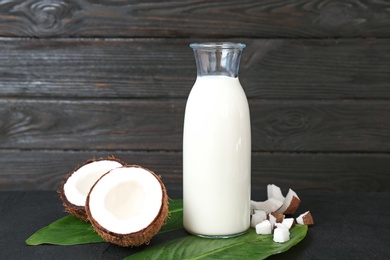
x=137 y=238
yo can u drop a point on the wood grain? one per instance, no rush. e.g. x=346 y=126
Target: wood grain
x=165 y=68
x=317 y=126
x=195 y=18
x=90 y=124
x=278 y=126
x=82 y=79
x=44 y=170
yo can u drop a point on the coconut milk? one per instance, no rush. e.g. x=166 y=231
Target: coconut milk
x=216 y=158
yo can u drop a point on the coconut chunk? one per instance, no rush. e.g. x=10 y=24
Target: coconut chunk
x=264 y=227
x=258 y=217
x=279 y=216
x=272 y=220
x=290 y=204
x=268 y=206
x=280 y=225
x=261 y=212
x=275 y=192
x=305 y=219
x=281 y=234
x=288 y=222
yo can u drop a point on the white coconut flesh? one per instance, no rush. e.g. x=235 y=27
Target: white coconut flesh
x=126 y=200
x=80 y=182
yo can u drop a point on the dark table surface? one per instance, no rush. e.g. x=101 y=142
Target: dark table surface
x=348 y=225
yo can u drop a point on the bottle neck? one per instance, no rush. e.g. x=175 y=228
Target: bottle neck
x=217 y=59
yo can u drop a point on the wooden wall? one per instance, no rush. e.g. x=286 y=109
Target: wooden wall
x=82 y=79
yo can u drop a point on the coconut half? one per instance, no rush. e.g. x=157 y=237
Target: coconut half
x=77 y=184
x=128 y=206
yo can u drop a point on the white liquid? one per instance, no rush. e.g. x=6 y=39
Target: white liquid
x=216 y=158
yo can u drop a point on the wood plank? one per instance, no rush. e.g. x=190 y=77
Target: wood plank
x=96 y=68
x=44 y=170
x=232 y=18
x=317 y=69
x=270 y=69
x=317 y=126
x=277 y=125
x=89 y=124
x=322 y=171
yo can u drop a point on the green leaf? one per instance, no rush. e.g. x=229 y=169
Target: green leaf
x=175 y=218
x=247 y=246
x=70 y=230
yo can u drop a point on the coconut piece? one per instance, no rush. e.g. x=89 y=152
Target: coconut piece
x=281 y=234
x=280 y=225
x=128 y=206
x=275 y=192
x=290 y=204
x=279 y=216
x=260 y=211
x=272 y=220
x=76 y=185
x=264 y=227
x=268 y=206
x=258 y=217
x=288 y=222
x=305 y=219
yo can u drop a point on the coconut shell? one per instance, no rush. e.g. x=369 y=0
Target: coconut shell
x=79 y=211
x=293 y=206
x=307 y=218
x=279 y=216
x=290 y=203
x=137 y=238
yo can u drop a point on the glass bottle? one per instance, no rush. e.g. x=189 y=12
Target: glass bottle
x=217 y=145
